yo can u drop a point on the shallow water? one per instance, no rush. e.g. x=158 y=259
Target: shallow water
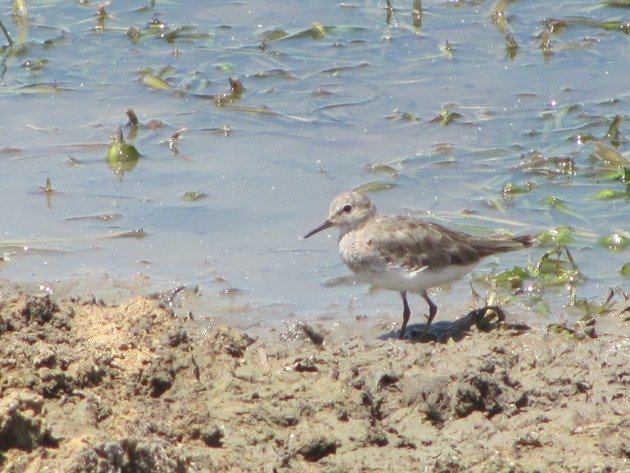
x=320 y=105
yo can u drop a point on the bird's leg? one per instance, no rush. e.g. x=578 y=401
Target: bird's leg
x=406 y=314
x=432 y=311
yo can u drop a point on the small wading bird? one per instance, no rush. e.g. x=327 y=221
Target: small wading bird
x=406 y=254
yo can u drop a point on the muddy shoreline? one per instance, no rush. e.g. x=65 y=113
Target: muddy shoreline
x=131 y=387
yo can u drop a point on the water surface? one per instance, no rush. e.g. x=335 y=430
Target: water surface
x=330 y=89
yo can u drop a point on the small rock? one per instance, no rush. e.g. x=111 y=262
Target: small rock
x=376 y=438
x=39 y=310
x=212 y=436
x=161 y=382
x=317 y=448
x=480 y=393
x=305 y=366
x=45 y=359
x=228 y=340
x=158 y=377
x=530 y=439
x=176 y=337
x=22 y=424
x=387 y=379
x=284 y=419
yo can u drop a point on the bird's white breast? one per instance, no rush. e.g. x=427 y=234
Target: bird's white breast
x=371 y=268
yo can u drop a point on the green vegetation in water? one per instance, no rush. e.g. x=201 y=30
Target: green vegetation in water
x=592 y=308
x=625 y=270
x=557 y=204
x=613 y=130
x=621 y=175
x=612 y=194
x=537 y=163
x=512 y=278
x=447 y=50
x=18 y=9
x=380 y=168
x=43 y=88
x=156 y=83
x=193 y=196
x=511 y=190
x=556 y=268
x=156 y=78
x=580 y=330
x=611 y=165
x=272 y=35
x=376 y=186
x=446 y=117
x=138 y=234
x=121 y=157
x=157 y=29
x=511 y=46
x=402 y=116
x=616 y=242
x=317 y=31
x=500 y=19
x=48 y=188
x=556 y=237
x=551 y=270
x=609 y=156
x=225 y=67
x=134 y=34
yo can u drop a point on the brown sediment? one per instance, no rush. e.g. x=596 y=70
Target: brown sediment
x=86 y=386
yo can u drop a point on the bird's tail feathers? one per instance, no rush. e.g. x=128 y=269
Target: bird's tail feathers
x=494 y=245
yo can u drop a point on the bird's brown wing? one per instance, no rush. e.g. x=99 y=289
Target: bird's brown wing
x=415 y=244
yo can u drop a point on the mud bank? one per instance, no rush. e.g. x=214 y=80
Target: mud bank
x=87 y=387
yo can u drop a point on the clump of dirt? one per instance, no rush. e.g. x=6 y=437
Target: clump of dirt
x=87 y=387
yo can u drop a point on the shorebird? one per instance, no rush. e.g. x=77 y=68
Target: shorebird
x=406 y=254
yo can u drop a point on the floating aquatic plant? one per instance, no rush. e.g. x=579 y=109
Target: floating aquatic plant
x=376 y=186
x=556 y=237
x=609 y=156
x=615 y=242
x=511 y=190
x=580 y=330
x=557 y=204
x=18 y=9
x=446 y=117
x=381 y=169
x=613 y=130
x=121 y=156
x=193 y=196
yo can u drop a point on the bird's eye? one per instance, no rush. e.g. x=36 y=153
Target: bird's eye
x=347 y=208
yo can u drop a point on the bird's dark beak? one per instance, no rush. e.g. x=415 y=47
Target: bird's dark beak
x=315 y=230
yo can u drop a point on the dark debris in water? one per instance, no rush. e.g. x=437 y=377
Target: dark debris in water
x=537 y=163
x=137 y=233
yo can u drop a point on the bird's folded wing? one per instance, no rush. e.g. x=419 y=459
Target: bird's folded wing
x=415 y=244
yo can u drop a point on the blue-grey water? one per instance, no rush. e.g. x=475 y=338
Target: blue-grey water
x=330 y=88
